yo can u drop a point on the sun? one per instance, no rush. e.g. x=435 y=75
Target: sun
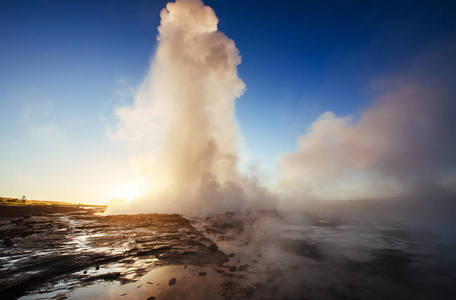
x=130 y=191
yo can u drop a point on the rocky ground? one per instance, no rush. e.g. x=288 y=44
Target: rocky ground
x=261 y=255
x=41 y=250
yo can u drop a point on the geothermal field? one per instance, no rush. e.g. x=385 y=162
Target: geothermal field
x=252 y=255
x=327 y=172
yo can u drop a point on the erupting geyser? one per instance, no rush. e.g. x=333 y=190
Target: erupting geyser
x=182 y=124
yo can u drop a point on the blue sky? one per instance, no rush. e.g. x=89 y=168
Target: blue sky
x=65 y=66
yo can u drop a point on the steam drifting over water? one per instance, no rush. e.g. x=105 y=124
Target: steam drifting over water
x=402 y=143
x=182 y=122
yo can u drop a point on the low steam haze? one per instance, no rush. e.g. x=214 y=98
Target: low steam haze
x=402 y=143
x=184 y=137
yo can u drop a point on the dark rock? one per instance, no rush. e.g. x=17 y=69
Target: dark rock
x=27 y=216
x=274 y=290
x=172 y=281
x=151 y=298
x=233 y=269
x=249 y=291
x=213 y=247
x=8 y=242
x=97 y=268
x=230 y=255
x=202 y=273
x=243 y=267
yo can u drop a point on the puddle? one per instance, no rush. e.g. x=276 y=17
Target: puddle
x=189 y=285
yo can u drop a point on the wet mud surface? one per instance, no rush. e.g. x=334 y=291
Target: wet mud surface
x=261 y=255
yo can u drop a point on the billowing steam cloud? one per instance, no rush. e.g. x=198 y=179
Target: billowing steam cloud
x=402 y=143
x=183 y=118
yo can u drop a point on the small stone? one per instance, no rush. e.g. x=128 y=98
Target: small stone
x=243 y=267
x=172 y=281
x=230 y=255
x=97 y=268
x=202 y=273
x=151 y=298
x=233 y=269
x=85 y=272
x=213 y=247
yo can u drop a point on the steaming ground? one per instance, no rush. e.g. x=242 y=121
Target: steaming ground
x=257 y=255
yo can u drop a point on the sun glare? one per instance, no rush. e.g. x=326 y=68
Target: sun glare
x=130 y=191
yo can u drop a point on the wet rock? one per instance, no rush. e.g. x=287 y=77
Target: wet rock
x=213 y=247
x=243 y=267
x=172 y=281
x=105 y=277
x=8 y=242
x=274 y=290
x=249 y=291
x=202 y=273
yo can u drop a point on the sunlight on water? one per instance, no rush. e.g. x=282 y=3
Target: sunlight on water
x=189 y=285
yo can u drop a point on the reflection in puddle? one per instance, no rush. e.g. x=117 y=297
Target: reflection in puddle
x=189 y=285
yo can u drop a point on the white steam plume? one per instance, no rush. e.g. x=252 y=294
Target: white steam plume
x=403 y=143
x=182 y=122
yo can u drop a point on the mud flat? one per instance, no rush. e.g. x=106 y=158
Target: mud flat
x=258 y=255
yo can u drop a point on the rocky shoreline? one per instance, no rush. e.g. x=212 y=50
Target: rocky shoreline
x=257 y=255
